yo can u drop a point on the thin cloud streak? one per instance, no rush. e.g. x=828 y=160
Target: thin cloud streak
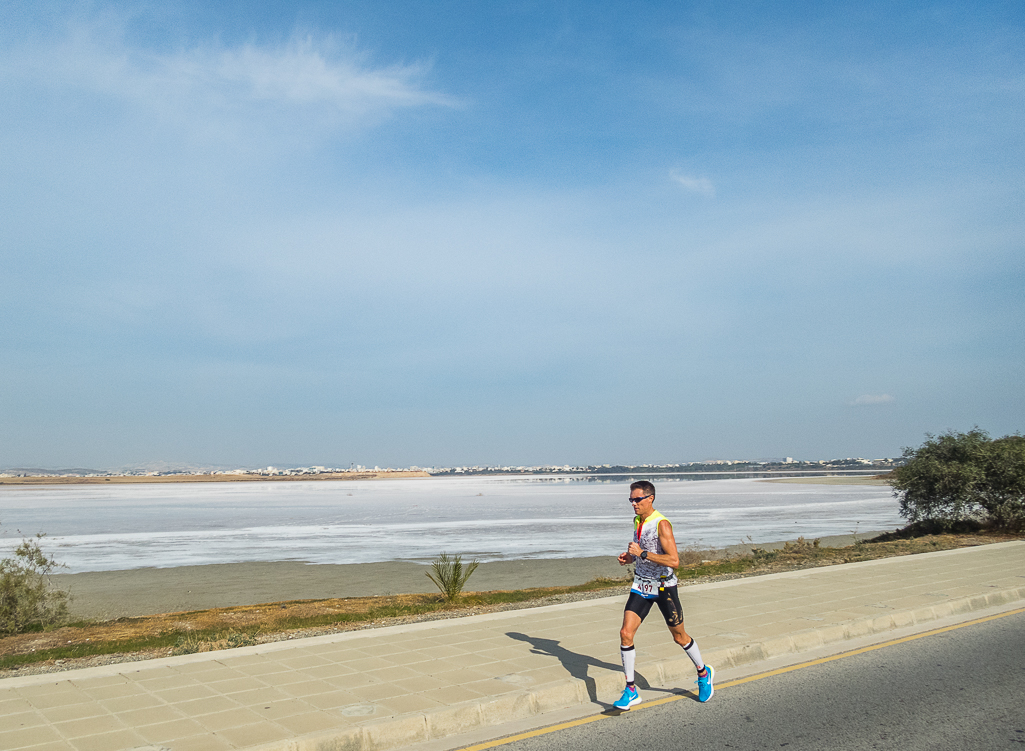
x=873 y=400
x=701 y=185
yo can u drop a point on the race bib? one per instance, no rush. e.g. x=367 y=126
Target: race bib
x=646 y=588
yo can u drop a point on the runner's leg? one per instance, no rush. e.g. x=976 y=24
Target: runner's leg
x=636 y=608
x=633 y=615
x=631 y=622
x=705 y=672
x=672 y=611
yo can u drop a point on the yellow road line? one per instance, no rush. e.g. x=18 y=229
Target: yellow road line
x=737 y=682
x=535 y=733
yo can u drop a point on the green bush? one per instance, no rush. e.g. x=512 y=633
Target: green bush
x=960 y=478
x=450 y=575
x=27 y=601
x=1003 y=494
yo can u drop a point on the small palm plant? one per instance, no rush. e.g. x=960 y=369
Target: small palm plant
x=450 y=575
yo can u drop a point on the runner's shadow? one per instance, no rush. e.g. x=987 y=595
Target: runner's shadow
x=575 y=664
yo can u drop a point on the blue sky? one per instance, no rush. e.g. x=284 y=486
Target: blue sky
x=404 y=233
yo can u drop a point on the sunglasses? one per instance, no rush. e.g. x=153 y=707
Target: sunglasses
x=639 y=499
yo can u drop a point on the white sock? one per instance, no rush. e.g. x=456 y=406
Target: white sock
x=695 y=655
x=629 y=655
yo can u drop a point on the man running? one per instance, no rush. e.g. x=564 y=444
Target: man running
x=654 y=549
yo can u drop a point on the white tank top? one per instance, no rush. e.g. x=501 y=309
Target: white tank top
x=647 y=537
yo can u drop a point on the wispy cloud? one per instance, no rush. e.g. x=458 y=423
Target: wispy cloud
x=701 y=185
x=321 y=78
x=872 y=399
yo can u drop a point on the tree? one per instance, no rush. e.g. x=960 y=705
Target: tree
x=1003 y=494
x=26 y=598
x=960 y=477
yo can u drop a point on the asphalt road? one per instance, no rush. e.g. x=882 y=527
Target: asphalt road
x=963 y=689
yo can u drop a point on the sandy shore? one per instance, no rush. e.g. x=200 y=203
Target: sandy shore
x=150 y=591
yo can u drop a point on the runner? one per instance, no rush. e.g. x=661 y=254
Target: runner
x=654 y=549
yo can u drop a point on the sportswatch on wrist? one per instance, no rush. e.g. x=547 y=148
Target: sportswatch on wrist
x=644 y=555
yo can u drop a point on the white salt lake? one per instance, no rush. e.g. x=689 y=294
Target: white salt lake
x=105 y=528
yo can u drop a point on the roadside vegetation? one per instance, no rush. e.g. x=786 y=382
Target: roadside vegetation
x=223 y=628
x=27 y=600
x=963 y=481
x=450 y=575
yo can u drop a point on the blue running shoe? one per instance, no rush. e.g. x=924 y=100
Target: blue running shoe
x=628 y=699
x=705 y=687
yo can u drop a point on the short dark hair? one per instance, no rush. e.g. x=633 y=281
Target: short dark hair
x=643 y=485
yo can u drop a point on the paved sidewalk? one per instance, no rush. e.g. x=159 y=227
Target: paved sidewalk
x=392 y=687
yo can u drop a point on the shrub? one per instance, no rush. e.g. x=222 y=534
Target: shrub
x=959 y=478
x=450 y=575
x=27 y=600
x=1003 y=494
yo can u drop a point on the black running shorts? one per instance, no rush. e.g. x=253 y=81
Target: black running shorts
x=668 y=602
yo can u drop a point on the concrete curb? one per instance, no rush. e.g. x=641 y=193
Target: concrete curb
x=408 y=729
